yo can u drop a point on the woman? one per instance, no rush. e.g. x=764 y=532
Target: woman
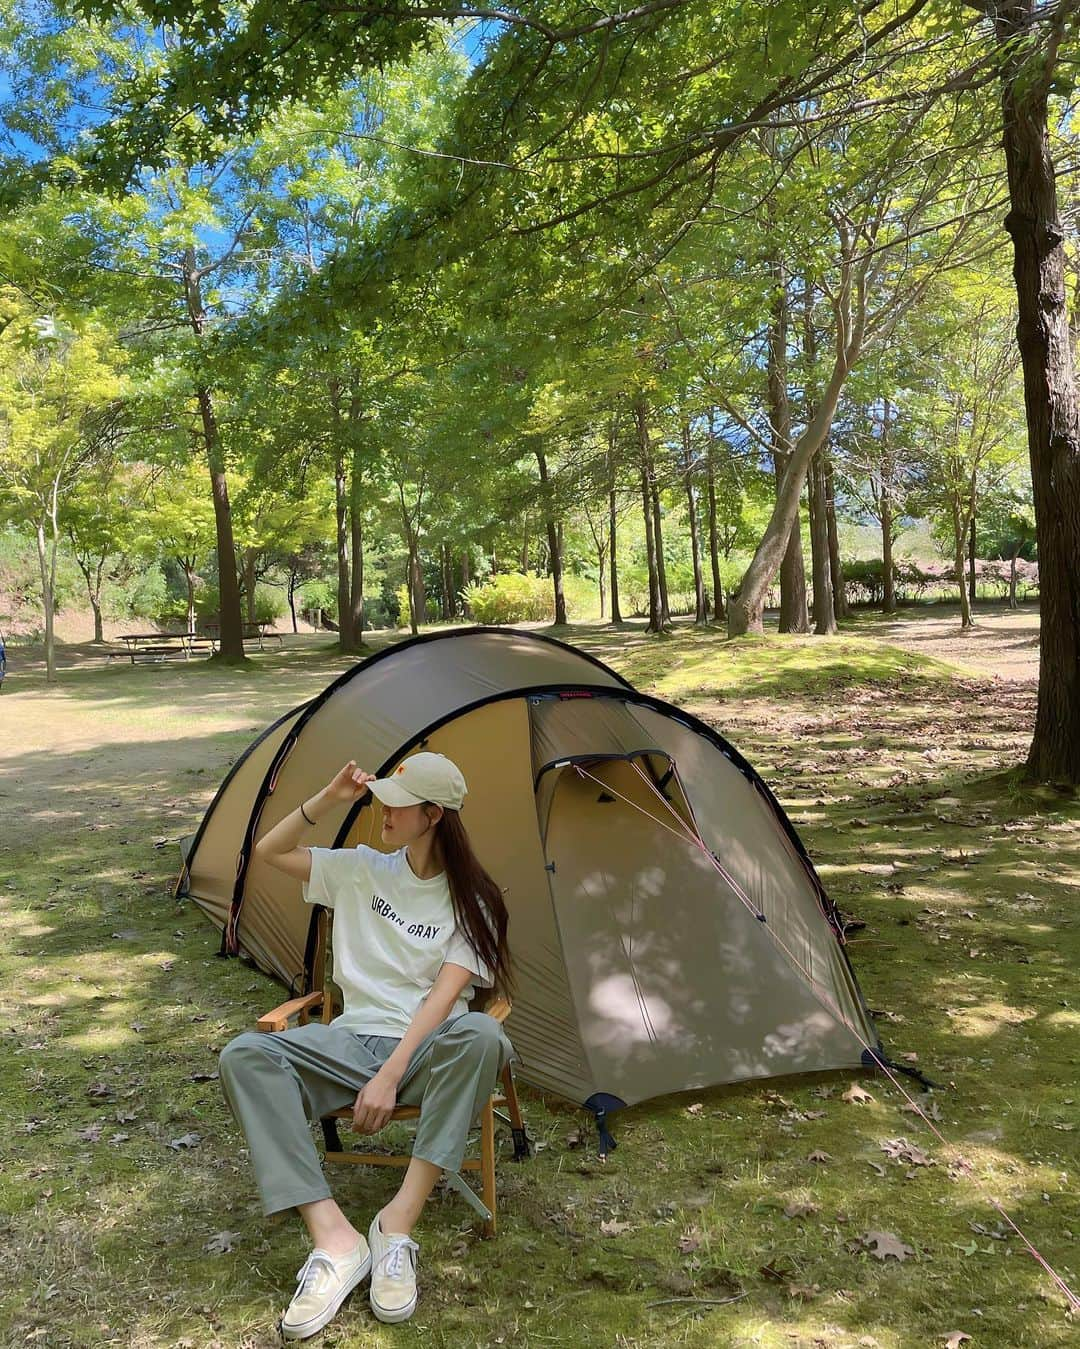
x=415 y=930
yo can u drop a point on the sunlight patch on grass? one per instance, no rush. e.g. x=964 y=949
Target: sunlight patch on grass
x=881 y=760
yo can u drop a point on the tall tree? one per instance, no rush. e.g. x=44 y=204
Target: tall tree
x=1031 y=39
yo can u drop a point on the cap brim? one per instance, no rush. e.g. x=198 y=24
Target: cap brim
x=392 y=793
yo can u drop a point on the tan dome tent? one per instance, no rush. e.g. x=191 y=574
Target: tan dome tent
x=668 y=929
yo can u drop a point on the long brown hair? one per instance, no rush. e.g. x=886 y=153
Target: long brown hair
x=479 y=906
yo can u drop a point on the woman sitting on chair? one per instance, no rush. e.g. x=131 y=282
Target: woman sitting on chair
x=414 y=931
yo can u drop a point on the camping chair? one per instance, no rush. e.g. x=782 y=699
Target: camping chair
x=322 y=998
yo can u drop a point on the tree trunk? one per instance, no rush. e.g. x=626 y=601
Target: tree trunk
x=1050 y=394
x=840 y=604
x=959 y=549
x=714 y=542
x=613 y=563
x=888 y=602
x=92 y=577
x=250 y=557
x=356 y=548
x=1012 y=580
x=653 y=625
x=553 y=537
x=414 y=584
x=445 y=582
x=231 y=632
x=189 y=577
x=417 y=588
x=356 y=581
x=231 y=639
x=793 y=616
x=971 y=561
x=700 y=611
x=47 y=593
x=292 y=598
x=885 y=513
x=823 y=608
x=658 y=543
x=746 y=609
x=525 y=541
x=466 y=570
x=341 y=532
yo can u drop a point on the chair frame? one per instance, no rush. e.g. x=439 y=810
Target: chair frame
x=484 y=1203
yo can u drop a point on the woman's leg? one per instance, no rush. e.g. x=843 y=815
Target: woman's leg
x=274 y=1084
x=450 y=1077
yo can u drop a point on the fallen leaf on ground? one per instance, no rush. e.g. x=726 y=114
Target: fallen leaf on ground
x=89 y=1135
x=882 y=1245
x=955 y=1339
x=614 y=1228
x=819 y=1156
x=800 y=1208
x=690 y=1240
x=185 y=1141
x=856 y=1094
x=803 y=1291
x=221 y=1242
x=930 y=1109
x=695 y=1109
x=900 y=1150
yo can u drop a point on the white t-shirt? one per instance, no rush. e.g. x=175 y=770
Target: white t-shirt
x=392 y=934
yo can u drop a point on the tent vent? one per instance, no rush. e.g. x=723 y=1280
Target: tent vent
x=605 y=799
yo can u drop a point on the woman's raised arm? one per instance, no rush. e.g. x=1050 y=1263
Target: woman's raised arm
x=280 y=846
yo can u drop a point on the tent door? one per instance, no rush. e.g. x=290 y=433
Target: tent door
x=637 y=908
x=675 y=983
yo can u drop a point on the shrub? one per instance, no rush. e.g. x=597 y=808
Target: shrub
x=317 y=595
x=865 y=580
x=270 y=604
x=511 y=597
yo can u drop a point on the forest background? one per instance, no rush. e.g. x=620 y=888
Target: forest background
x=391 y=315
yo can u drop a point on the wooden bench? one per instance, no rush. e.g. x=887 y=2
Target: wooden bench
x=249 y=632
x=155 y=647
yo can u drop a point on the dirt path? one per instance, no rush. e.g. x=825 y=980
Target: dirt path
x=1004 y=643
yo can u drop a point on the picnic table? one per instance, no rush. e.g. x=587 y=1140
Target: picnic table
x=250 y=632
x=146 y=647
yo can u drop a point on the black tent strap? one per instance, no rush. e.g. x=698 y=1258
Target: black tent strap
x=879 y=1059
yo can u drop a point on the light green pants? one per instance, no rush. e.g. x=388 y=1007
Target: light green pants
x=275 y=1083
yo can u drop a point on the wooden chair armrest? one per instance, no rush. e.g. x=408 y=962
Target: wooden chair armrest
x=499 y=1008
x=278 y=1019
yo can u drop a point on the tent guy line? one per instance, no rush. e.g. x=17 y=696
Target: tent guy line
x=695 y=840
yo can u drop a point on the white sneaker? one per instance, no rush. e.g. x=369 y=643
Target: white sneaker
x=393 y=1273
x=325 y=1282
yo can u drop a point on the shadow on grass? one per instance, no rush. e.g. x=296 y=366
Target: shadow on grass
x=911 y=836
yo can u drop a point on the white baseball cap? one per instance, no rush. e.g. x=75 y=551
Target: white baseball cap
x=422 y=777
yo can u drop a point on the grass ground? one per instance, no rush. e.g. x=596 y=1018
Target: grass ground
x=127 y=1214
